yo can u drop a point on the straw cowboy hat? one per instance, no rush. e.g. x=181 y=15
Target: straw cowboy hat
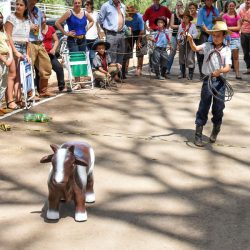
x=219 y=26
x=187 y=13
x=100 y=42
x=162 y=18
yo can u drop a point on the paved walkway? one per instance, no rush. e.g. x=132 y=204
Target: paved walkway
x=155 y=190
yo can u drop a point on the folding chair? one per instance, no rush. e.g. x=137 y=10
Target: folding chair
x=78 y=65
x=27 y=83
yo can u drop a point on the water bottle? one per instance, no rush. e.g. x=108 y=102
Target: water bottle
x=36 y=117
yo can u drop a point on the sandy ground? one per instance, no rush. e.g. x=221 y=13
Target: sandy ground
x=154 y=189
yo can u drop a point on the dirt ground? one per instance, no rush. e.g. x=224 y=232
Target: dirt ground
x=154 y=189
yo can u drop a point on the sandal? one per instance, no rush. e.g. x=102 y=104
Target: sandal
x=76 y=87
x=15 y=108
x=21 y=104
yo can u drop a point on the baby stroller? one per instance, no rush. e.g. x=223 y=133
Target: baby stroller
x=27 y=83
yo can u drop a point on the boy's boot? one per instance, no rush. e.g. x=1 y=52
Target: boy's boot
x=198 y=136
x=43 y=89
x=214 y=134
x=157 y=71
x=190 y=73
x=163 y=71
x=124 y=70
x=183 y=71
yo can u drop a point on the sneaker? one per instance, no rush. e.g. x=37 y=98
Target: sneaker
x=161 y=78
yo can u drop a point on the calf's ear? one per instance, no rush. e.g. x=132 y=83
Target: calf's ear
x=81 y=162
x=72 y=148
x=54 y=147
x=46 y=159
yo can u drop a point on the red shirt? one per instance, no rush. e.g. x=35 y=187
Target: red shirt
x=151 y=14
x=48 y=39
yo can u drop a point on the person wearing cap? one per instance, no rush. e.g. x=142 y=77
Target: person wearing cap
x=112 y=21
x=103 y=67
x=205 y=18
x=217 y=61
x=186 y=55
x=160 y=55
x=135 y=22
x=39 y=55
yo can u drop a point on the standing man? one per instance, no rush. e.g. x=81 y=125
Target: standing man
x=205 y=18
x=112 y=20
x=39 y=56
x=151 y=14
x=245 y=33
x=154 y=11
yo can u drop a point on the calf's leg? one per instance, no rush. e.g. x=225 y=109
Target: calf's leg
x=80 y=211
x=90 y=195
x=53 y=207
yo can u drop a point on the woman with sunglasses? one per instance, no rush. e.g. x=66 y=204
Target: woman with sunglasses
x=232 y=20
x=93 y=33
x=174 y=24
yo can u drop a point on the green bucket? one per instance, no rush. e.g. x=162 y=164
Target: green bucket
x=80 y=69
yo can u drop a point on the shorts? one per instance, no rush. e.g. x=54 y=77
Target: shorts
x=234 y=43
x=21 y=47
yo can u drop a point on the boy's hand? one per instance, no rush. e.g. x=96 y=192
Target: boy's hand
x=119 y=66
x=189 y=37
x=216 y=73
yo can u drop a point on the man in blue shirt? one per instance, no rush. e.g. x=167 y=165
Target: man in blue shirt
x=205 y=18
x=112 y=20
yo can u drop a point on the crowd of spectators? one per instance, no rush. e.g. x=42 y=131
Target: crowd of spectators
x=26 y=36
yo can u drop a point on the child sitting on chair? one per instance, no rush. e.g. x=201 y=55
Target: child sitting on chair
x=6 y=58
x=103 y=69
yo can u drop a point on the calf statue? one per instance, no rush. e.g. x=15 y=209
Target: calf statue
x=71 y=178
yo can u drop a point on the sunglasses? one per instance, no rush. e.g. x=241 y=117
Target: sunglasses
x=87 y=4
x=180 y=5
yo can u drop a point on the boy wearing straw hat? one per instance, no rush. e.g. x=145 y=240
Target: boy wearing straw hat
x=217 y=61
x=103 y=68
x=186 y=55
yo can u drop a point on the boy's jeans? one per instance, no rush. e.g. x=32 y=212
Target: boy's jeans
x=205 y=103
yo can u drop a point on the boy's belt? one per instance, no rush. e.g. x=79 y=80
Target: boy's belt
x=79 y=37
x=161 y=48
x=37 y=42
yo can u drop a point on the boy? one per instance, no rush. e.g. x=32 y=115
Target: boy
x=103 y=69
x=217 y=61
x=160 y=56
x=186 y=55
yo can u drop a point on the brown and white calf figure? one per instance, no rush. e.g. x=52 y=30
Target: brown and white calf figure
x=70 y=178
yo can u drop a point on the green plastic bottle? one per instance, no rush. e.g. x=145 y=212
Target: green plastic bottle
x=36 y=117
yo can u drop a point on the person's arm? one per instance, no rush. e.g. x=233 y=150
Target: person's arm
x=192 y=44
x=200 y=21
x=55 y=44
x=102 y=15
x=91 y=21
x=7 y=61
x=59 y=22
x=225 y=69
x=9 y=29
x=103 y=71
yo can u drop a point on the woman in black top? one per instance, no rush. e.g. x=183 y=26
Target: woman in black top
x=174 y=24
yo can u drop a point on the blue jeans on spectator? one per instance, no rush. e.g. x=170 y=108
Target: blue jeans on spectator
x=76 y=44
x=206 y=100
x=172 y=53
x=91 y=52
